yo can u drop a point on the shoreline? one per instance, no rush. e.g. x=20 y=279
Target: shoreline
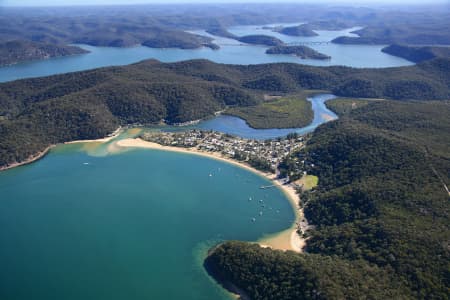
x=288 y=239
x=41 y=154
x=108 y=138
x=29 y=160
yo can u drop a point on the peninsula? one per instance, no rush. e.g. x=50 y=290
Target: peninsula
x=417 y=54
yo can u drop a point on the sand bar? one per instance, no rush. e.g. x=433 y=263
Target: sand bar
x=102 y=140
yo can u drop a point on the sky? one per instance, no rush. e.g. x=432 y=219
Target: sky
x=116 y=2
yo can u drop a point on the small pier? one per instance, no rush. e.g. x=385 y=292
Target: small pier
x=263 y=187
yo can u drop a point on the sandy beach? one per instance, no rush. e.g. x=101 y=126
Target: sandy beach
x=285 y=240
x=327 y=117
x=102 y=140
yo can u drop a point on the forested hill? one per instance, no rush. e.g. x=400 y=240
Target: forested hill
x=42 y=111
x=381 y=212
x=417 y=54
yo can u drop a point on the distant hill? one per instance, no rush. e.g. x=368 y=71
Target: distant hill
x=177 y=39
x=380 y=211
x=37 y=112
x=300 y=51
x=434 y=32
x=417 y=54
x=221 y=31
x=17 y=51
x=300 y=30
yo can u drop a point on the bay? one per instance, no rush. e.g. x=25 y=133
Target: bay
x=130 y=226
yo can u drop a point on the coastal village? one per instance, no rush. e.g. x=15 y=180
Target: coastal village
x=264 y=155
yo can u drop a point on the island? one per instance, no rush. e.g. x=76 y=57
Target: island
x=300 y=30
x=304 y=52
x=260 y=39
x=17 y=51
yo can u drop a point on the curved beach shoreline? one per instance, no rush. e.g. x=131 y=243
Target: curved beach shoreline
x=288 y=239
x=285 y=240
x=29 y=160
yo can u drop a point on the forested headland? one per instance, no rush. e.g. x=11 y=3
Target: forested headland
x=380 y=212
x=417 y=54
x=13 y=52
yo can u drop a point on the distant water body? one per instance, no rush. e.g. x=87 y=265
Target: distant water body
x=231 y=52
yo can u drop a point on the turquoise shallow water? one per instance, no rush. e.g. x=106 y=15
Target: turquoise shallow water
x=134 y=224
x=231 y=52
x=128 y=226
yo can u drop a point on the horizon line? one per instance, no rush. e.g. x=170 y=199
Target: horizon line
x=290 y=2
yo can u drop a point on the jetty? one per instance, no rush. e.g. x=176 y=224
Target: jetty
x=263 y=187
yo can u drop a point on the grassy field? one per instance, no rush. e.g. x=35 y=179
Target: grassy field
x=308 y=182
x=287 y=112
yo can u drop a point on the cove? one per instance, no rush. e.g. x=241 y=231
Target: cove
x=128 y=226
x=85 y=223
